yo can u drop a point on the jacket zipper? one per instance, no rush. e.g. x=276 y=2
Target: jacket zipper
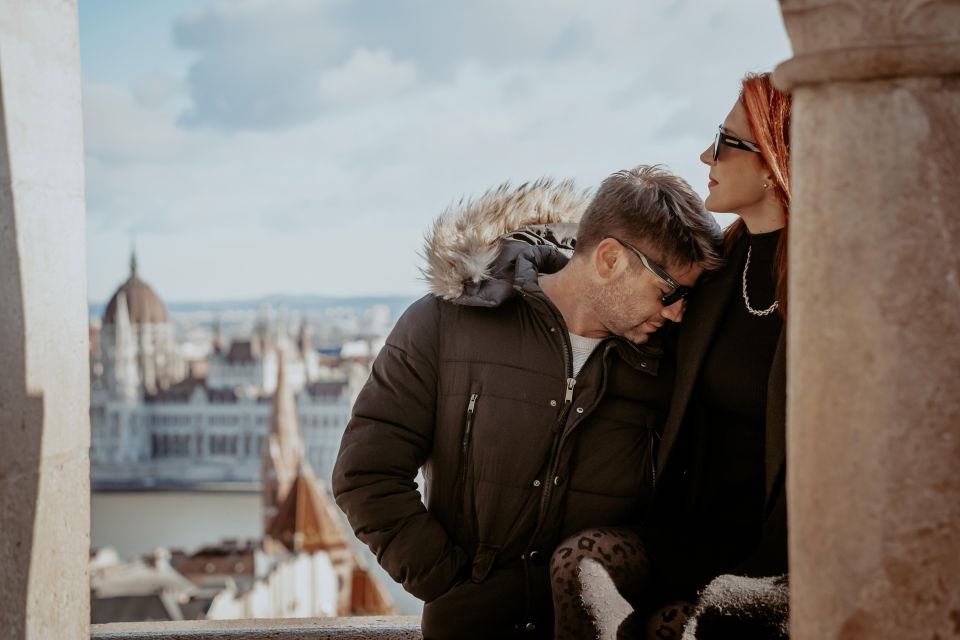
x=469 y=427
x=464 y=450
x=561 y=420
x=552 y=459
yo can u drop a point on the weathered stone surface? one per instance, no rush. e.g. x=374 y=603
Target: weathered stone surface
x=868 y=39
x=44 y=391
x=360 y=628
x=874 y=331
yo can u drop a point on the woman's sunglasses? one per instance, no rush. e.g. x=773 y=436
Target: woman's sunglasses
x=724 y=138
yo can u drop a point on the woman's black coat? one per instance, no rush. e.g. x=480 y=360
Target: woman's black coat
x=673 y=549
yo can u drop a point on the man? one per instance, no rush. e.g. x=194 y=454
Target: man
x=527 y=392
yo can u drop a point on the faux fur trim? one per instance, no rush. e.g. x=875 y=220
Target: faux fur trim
x=464 y=240
x=742 y=607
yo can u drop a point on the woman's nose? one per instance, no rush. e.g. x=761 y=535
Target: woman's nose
x=707 y=156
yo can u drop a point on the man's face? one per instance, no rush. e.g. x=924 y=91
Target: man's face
x=630 y=305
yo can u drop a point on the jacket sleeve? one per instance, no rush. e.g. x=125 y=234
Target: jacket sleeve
x=387 y=440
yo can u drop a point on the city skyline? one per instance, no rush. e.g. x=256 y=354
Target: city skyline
x=304 y=148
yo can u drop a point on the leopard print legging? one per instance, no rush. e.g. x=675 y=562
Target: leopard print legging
x=601 y=589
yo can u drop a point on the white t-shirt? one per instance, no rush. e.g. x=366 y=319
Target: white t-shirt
x=582 y=348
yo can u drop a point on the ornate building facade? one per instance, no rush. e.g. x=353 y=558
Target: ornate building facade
x=155 y=425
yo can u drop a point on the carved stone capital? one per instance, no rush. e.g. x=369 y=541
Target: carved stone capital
x=849 y=40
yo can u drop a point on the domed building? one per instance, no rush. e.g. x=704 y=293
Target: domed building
x=137 y=347
x=153 y=426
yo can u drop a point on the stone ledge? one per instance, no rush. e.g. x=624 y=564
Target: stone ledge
x=358 y=628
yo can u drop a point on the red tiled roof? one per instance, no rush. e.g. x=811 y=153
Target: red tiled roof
x=368 y=597
x=306 y=520
x=232 y=561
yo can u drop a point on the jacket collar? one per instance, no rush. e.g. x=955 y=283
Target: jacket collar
x=534 y=261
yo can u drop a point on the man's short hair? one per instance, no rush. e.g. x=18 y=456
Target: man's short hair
x=657 y=211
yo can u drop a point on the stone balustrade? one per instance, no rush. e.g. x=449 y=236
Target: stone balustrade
x=358 y=628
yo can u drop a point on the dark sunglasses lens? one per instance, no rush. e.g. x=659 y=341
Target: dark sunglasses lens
x=675 y=296
x=716 y=146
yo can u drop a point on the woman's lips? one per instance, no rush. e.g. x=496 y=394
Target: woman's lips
x=712 y=183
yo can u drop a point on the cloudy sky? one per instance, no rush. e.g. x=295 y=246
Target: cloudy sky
x=304 y=146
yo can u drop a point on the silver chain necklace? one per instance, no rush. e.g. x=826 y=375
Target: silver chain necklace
x=746 y=298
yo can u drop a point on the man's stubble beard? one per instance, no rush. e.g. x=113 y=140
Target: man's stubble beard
x=607 y=303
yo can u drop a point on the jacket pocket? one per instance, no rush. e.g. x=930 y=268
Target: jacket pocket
x=464 y=525
x=483 y=561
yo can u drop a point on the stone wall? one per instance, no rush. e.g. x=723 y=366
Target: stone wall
x=44 y=389
x=874 y=330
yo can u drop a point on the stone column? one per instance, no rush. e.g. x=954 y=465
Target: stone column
x=44 y=375
x=874 y=328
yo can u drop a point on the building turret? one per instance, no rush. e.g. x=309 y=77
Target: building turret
x=124 y=376
x=284 y=450
x=218 y=344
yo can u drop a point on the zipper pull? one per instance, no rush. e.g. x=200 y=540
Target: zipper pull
x=473 y=402
x=568 y=398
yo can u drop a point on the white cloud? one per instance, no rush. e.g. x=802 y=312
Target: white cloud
x=321 y=141
x=258 y=61
x=157 y=90
x=119 y=129
x=367 y=75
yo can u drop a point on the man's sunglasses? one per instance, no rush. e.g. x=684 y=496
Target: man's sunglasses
x=678 y=291
x=724 y=138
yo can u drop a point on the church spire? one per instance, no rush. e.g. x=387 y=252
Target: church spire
x=133 y=259
x=283 y=454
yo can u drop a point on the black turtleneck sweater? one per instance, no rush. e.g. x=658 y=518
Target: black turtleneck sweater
x=730 y=400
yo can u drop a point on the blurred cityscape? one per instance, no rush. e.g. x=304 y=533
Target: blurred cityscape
x=279 y=127
x=214 y=430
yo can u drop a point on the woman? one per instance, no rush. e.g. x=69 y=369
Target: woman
x=721 y=505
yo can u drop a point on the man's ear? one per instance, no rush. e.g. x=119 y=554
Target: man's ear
x=608 y=258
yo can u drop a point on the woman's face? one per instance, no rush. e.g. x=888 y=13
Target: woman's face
x=737 y=176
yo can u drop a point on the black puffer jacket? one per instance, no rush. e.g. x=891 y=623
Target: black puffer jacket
x=516 y=453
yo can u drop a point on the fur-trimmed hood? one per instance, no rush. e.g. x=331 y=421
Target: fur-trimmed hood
x=463 y=246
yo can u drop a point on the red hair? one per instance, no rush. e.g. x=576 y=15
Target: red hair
x=768 y=111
